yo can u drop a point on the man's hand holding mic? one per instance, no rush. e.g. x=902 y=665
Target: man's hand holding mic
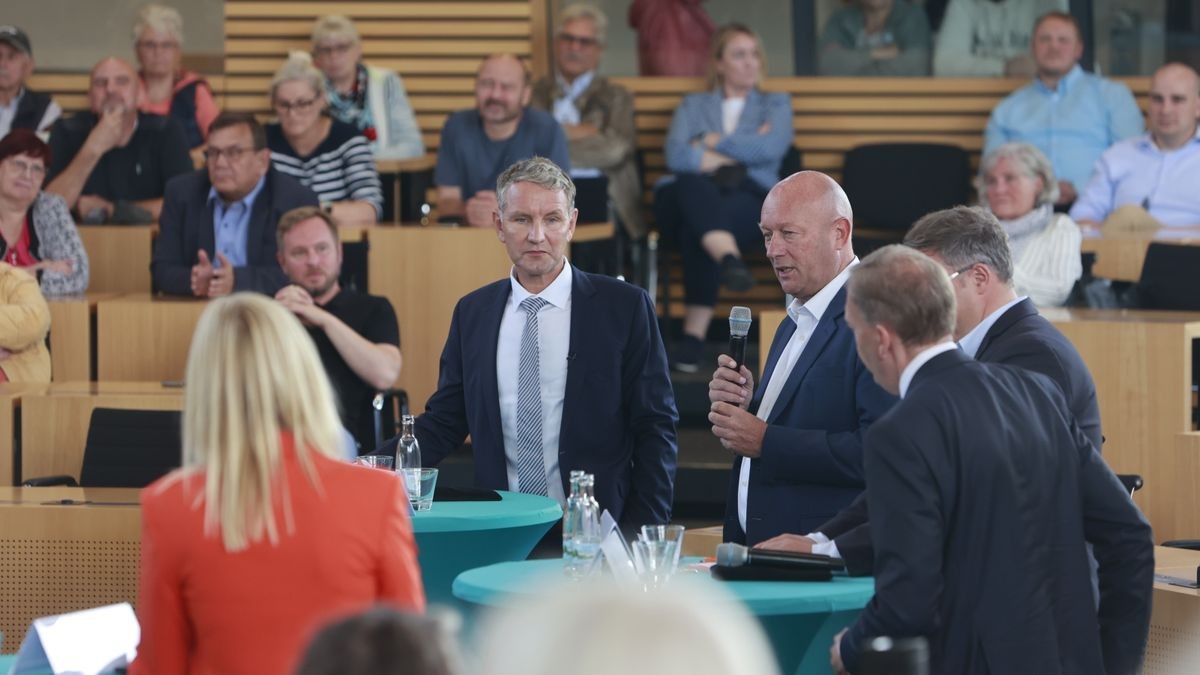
x=730 y=392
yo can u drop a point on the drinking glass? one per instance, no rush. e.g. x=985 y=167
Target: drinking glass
x=384 y=462
x=420 y=484
x=655 y=562
x=665 y=533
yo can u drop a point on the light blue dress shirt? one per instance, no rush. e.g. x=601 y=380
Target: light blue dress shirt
x=231 y=224
x=1167 y=184
x=1073 y=123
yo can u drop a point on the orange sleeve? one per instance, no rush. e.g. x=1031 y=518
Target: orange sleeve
x=166 y=631
x=399 y=573
x=206 y=108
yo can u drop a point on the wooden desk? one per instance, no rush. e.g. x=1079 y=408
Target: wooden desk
x=63 y=558
x=1121 y=256
x=71 y=336
x=1174 y=644
x=119 y=257
x=10 y=404
x=143 y=338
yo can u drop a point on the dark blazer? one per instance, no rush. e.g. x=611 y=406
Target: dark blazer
x=1020 y=337
x=982 y=491
x=811 y=462
x=618 y=418
x=186 y=226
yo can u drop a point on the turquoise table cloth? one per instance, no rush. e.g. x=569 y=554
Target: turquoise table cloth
x=800 y=618
x=453 y=537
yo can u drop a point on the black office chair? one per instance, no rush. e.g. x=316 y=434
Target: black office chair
x=1131 y=481
x=125 y=448
x=386 y=409
x=354 y=265
x=1169 y=278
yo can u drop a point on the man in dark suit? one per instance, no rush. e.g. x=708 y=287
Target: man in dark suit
x=217 y=230
x=797 y=439
x=555 y=369
x=992 y=325
x=982 y=491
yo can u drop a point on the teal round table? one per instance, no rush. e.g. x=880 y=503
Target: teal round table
x=456 y=536
x=800 y=618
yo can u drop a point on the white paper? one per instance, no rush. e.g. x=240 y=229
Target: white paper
x=618 y=559
x=89 y=642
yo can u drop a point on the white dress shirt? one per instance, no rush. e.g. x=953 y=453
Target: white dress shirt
x=554 y=342
x=910 y=371
x=806 y=316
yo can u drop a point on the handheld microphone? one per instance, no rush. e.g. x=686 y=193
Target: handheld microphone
x=736 y=555
x=739 y=328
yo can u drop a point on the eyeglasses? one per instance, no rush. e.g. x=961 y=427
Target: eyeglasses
x=954 y=275
x=151 y=45
x=580 y=40
x=232 y=154
x=330 y=50
x=302 y=105
x=23 y=167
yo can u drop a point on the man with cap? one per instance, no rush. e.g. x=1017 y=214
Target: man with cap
x=20 y=107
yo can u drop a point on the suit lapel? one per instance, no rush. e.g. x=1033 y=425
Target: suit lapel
x=583 y=293
x=713 y=112
x=259 y=217
x=1007 y=320
x=782 y=335
x=492 y=313
x=825 y=330
x=207 y=230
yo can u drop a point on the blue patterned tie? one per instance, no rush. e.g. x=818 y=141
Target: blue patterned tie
x=531 y=465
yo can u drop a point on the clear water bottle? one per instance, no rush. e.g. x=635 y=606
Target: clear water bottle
x=408 y=451
x=571 y=524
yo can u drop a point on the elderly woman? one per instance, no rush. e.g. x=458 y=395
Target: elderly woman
x=37 y=231
x=1016 y=183
x=876 y=37
x=724 y=148
x=326 y=154
x=372 y=99
x=265 y=534
x=171 y=90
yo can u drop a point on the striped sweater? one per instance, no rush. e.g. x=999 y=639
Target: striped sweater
x=340 y=169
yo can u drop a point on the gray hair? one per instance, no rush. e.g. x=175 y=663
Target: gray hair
x=299 y=66
x=581 y=11
x=539 y=171
x=332 y=27
x=1028 y=159
x=962 y=236
x=905 y=290
x=160 y=18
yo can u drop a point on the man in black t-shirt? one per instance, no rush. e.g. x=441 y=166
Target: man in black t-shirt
x=357 y=335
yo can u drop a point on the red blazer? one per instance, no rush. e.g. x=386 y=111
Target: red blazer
x=204 y=610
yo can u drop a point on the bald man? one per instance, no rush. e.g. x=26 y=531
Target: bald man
x=112 y=163
x=796 y=440
x=1153 y=175
x=478 y=144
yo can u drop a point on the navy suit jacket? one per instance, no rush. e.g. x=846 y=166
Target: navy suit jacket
x=186 y=226
x=811 y=462
x=982 y=491
x=618 y=418
x=1020 y=337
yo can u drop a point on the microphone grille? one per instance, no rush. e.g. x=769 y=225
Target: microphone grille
x=730 y=554
x=739 y=321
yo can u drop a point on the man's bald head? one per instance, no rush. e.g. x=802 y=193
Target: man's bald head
x=806 y=225
x=1174 y=105
x=114 y=85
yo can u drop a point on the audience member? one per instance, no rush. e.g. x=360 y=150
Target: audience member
x=992 y=324
x=37 y=231
x=600 y=628
x=673 y=37
x=989 y=37
x=876 y=37
x=382 y=641
x=595 y=114
x=112 y=163
x=169 y=89
x=797 y=438
x=371 y=99
x=1070 y=115
x=478 y=144
x=1016 y=183
x=217 y=230
x=20 y=106
x=1152 y=177
x=24 y=324
x=555 y=369
x=323 y=153
x=724 y=148
x=959 y=494
x=357 y=336
x=264 y=534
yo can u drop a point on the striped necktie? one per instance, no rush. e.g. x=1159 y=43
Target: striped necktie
x=531 y=465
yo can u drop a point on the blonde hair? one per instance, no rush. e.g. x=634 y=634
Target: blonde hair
x=253 y=374
x=299 y=66
x=721 y=40
x=332 y=27
x=160 y=18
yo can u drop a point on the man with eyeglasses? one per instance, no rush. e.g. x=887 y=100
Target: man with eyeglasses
x=217 y=230
x=20 y=106
x=112 y=163
x=595 y=114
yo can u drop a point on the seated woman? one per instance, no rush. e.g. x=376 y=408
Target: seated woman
x=876 y=37
x=24 y=323
x=37 y=232
x=1016 y=183
x=171 y=90
x=724 y=148
x=327 y=155
x=264 y=535
x=372 y=99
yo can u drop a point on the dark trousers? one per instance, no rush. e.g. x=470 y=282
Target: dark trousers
x=690 y=207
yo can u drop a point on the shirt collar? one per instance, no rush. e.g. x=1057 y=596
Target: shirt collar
x=558 y=293
x=248 y=200
x=818 y=303
x=572 y=91
x=910 y=371
x=1065 y=83
x=15 y=101
x=1146 y=141
x=971 y=342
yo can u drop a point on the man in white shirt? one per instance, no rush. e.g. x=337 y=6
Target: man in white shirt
x=20 y=107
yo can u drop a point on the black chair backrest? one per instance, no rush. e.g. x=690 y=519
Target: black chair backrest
x=1169 y=278
x=130 y=448
x=891 y=185
x=354 y=265
x=792 y=162
x=591 y=198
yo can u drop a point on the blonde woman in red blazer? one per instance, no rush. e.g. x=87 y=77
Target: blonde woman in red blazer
x=263 y=535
